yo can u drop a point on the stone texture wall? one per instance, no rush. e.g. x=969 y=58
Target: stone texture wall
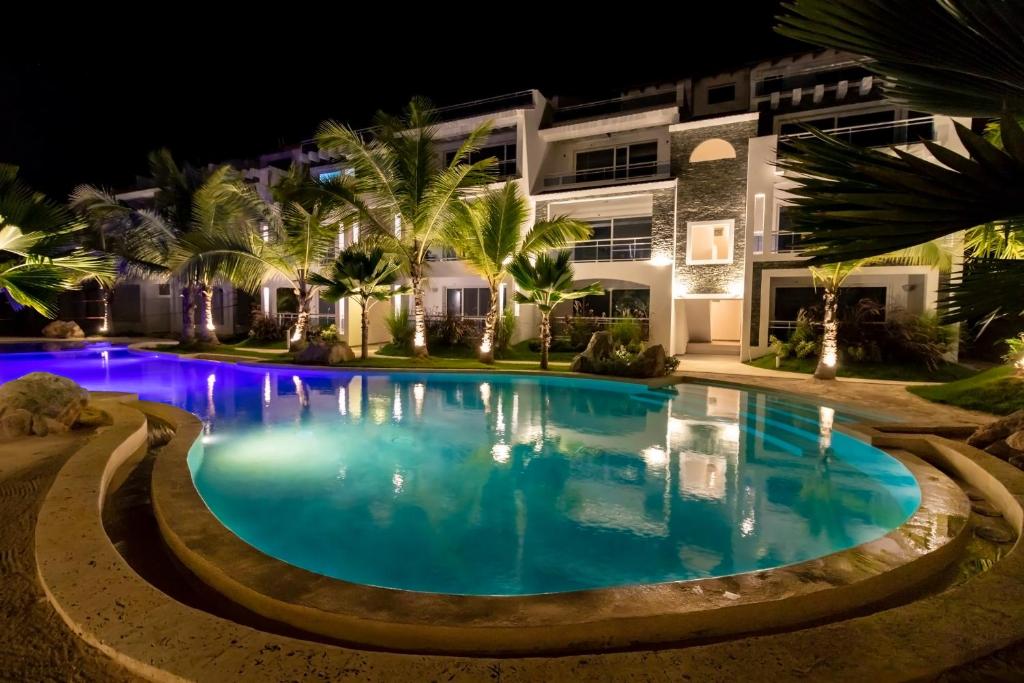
x=711 y=190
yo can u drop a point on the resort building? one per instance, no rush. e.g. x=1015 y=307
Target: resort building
x=689 y=212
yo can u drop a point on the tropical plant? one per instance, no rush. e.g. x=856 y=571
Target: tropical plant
x=626 y=332
x=402 y=190
x=858 y=203
x=248 y=241
x=157 y=239
x=832 y=276
x=399 y=328
x=115 y=230
x=264 y=328
x=547 y=282
x=39 y=257
x=365 y=274
x=504 y=331
x=1015 y=353
x=487 y=235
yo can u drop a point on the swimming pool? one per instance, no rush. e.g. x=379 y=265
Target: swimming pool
x=484 y=484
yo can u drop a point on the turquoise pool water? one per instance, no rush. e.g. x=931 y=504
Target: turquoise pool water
x=503 y=485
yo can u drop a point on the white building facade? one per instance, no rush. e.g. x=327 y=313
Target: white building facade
x=678 y=181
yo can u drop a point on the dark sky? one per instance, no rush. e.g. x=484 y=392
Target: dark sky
x=91 y=115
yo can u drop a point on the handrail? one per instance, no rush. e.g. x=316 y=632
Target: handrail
x=612 y=249
x=605 y=174
x=863 y=127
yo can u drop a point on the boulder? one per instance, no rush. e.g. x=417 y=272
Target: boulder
x=650 y=363
x=1016 y=441
x=1000 y=450
x=598 y=348
x=997 y=431
x=39 y=403
x=325 y=354
x=63 y=329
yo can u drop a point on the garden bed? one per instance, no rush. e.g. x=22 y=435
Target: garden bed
x=910 y=373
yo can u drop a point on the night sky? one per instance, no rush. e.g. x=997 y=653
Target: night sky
x=92 y=116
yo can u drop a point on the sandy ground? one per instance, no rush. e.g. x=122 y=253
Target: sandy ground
x=35 y=644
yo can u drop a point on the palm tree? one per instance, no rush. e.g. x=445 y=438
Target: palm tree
x=832 y=276
x=487 y=235
x=857 y=203
x=366 y=274
x=248 y=241
x=546 y=283
x=116 y=231
x=154 y=235
x=39 y=255
x=402 y=190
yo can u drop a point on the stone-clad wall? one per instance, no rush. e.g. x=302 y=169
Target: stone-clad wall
x=711 y=190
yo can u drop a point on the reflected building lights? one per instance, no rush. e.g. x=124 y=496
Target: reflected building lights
x=501 y=452
x=655 y=456
x=500 y=425
x=419 y=390
x=300 y=391
x=211 y=409
x=826 y=416
x=267 y=390
x=515 y=411
x=485 y=395
x=342 y=401
x=397 y=481
x=396 y=408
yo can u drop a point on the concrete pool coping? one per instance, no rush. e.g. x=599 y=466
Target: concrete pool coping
x=589 y=620
x=112 y=608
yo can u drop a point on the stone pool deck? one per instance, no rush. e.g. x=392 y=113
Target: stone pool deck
x=176 y=642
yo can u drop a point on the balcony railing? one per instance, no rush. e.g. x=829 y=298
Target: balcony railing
x=779 y=242
x=614 y=105
x=286 y=320
x=442 y=254
x=879 y=134
x=609 y=175
x=612 y=249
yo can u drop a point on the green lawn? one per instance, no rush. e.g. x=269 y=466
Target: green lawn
x=907 y=373
x=997 y=390
x=433 y=362
x=520 y=351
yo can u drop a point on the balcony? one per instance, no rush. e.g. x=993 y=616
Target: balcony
x=609 y=175
x=878 y=134
x=779 y=242
x=612 y=249
x=612 y=106
x=442 y=254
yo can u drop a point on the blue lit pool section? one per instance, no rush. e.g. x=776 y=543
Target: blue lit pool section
x=509 y=485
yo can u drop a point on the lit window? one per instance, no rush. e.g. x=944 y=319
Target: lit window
x=709 y=242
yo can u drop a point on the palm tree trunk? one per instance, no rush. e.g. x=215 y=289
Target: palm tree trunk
x=108 y=326
x=419 y=340
x=829 y=358
x=487 y=343
x=364 y=329
x=545 y=338
x=207 y=330
x=302 y=322
x=188 y=314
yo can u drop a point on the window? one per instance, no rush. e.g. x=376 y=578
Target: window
x=470 y=302
x=784 y=240
x=721 y=94
x=709 y=242
x=616 y=239
x=504 y=153
x=127 y=304
x=287 y=301
x=163 y=289
x=614 y=163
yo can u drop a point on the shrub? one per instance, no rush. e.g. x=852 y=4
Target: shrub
x=1015 y=352
x=328 y=334
x=626 y=332
x=780 y=348
x=579 y=331
x=504 y=328
x=265 y=328
x=916 y=339
x=400 y=329
x=450 y=330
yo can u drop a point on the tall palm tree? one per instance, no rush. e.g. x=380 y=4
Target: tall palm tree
x=154 y=235
x=403 y=190
x=39 y=254
x=546 y=282
x=856 y=203
x=366 y=274
x=487 y=235
x=248 y=241
x=116 y=231
x=832 y=276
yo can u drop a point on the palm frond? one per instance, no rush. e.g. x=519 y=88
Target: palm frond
x=961 y=58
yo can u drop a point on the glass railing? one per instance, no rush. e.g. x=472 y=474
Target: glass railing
x=879 y=134
x=614 y=105
x=609 y=174
x=613 y=249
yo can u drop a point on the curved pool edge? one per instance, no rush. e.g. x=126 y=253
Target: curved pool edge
x=581 y=621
